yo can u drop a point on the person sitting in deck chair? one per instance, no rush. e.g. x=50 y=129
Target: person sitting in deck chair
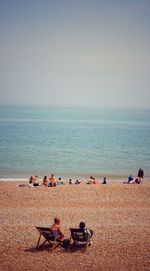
x=89 y=232
x=56 y=229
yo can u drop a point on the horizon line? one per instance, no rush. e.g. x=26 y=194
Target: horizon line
x=98 y=107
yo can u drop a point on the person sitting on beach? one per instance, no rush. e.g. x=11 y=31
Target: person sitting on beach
x=52 y=181
x=36 y=181
x=130 y=179
x=56 y=229
x=77 y=182
x=59 y=181
x=89 y=232
x=104 y=181
x=92 y=180
x=33 y=181
x=137 y=181
x=71 y=181
x=45 y=181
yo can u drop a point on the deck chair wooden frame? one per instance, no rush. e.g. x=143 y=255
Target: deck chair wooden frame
x=79 y=237
x=48 y=236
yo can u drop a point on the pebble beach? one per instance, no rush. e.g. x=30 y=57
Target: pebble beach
x=118 y=213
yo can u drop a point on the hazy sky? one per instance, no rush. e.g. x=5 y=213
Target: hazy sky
x=75 y=52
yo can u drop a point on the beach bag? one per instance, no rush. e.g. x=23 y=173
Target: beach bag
x=65 y=243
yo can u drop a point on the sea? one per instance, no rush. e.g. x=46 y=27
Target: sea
x=73 y=142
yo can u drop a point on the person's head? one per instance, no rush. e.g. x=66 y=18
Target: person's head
x=45 y=177
x=57 y=220
x=52 y=175
x=59 y=179
x=82 y=225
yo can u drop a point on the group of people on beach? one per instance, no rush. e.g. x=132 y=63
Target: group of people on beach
x=46 y=182
x=52 y=181
x=138 y=180
x=93 y=180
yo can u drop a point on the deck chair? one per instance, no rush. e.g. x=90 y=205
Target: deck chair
x=48 y=236
x=80 y=237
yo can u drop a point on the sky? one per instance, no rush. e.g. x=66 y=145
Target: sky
x=75 y=53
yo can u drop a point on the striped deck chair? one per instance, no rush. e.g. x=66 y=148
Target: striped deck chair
x=79 y=237
x=48 y=236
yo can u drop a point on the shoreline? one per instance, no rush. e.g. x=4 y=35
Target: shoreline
x=74 y=176
x=66 y=179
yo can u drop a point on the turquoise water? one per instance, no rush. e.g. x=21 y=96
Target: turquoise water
x=73 y=142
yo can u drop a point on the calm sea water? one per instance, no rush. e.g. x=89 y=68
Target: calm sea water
x=73 y=142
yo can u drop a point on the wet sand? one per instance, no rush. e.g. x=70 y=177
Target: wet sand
x=118 y=213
